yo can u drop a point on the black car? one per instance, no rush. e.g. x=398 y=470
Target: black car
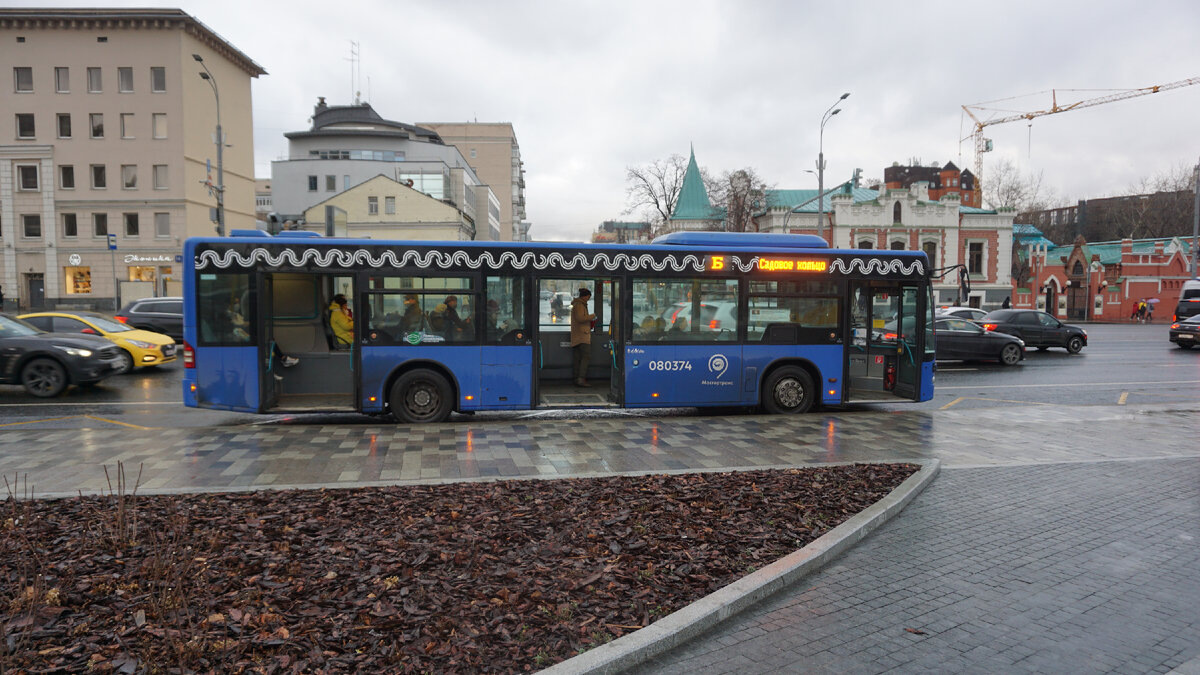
x=1037 y=329
x=1186 y=333
x=962 y=340
x=46 y=363
x=160 y=315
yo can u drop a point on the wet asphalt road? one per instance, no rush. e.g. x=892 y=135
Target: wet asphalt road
x=1122 y=365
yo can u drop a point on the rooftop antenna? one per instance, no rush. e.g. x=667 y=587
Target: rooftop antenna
x=354 y=71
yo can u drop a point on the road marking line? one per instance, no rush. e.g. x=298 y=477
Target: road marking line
x=1074 y=384
x=124 y=424
x=1124 y=397
x=960 y=398
x=996 y=400
x=47 y=419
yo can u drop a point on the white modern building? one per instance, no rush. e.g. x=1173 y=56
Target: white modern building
x=350 y=145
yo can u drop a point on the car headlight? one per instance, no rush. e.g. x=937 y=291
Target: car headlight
x=75 y=351
x=142 y=345
x=1020 y=342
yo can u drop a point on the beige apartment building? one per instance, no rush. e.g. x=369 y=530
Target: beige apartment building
x=491 y=149
x=110 y=131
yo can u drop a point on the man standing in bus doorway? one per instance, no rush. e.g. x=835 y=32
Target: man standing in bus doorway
x=581 y=336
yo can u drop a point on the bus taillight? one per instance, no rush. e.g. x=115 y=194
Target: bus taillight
x=189 y=356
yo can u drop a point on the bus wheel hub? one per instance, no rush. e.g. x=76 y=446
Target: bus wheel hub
x=788 y=393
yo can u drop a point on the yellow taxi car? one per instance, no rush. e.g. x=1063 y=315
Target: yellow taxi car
x=139 y=347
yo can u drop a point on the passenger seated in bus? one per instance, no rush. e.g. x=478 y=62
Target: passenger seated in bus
x=413 y=318
x=341 y=320
x=454 y=328
x=680 y=325
x=646 y=327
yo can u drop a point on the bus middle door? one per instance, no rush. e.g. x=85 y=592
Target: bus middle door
x=268 y=386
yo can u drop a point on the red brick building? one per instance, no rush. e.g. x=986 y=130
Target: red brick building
x=944 y=181
x=1100 y=281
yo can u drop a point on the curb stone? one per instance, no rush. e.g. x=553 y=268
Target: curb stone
x=693 y=620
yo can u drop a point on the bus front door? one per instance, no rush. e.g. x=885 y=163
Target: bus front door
x=884 y=356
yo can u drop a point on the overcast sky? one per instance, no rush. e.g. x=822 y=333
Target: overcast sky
x=594 y=87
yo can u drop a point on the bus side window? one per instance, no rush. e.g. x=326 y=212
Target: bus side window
x=504 y=310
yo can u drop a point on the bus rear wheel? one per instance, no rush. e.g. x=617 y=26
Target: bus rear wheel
x=789 y=390
x=421 y=396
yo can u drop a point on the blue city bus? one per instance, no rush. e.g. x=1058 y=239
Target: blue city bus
x=698 y=319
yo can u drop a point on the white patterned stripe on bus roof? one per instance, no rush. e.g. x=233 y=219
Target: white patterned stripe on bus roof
x=441 y=259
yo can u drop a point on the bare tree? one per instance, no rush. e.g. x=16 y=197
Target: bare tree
x=1007 y=186
x=742 y=195
x=652 y=190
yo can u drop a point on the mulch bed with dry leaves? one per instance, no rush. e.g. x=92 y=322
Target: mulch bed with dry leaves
x=504 y=576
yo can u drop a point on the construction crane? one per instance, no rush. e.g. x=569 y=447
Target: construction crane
x=983 y=145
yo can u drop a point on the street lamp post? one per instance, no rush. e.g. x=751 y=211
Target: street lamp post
x=821 y=165
x=207 y=76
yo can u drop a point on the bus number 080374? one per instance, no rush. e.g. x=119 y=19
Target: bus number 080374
x=670 y=365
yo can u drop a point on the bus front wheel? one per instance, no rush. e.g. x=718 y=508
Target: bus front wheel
x=421 y=396
x=789 y=390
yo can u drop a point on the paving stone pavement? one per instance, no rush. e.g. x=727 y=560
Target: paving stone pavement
x=1056 y=539
x=1069 y=568
x=66 y=461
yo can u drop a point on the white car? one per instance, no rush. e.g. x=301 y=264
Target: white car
x=968 y=313
x=715 y=316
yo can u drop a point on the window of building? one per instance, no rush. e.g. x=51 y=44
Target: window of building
x=70 y=225
x=66 y=176
x=312 y=183
x=372 y=206
x=866 y=243
x=131 y=224
x=97 y=123
x=95 y=85
x=99 y=177
x=162 y=224
x=898 y=245
x=160 y=125
x=62 y=80
x=100 y=224
x=975 y=258
x=125 y=80
x=345 y=182
x=27 y=177
x=126 y=125
x=389 y=205
x=23 y=79
x=31 y=225
x=686 y=310
x=896 y=212
x=64 y=125
x=160 y=177
x=472 y=153
x=78 y=280
x=930 y=248
x=129 y=176
x=141 y=273
x=330 y=183
x=25 y=126
x=158 y=79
